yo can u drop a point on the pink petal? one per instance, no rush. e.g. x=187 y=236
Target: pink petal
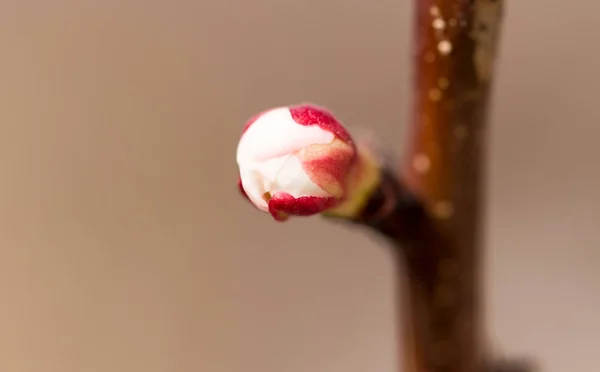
x=328 y=165
x=309 y=114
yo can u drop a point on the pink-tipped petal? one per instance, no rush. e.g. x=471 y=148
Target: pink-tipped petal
x=327 y=165
x=284 y=204
x=309 y=114
x=295 y=161
x=274 y=134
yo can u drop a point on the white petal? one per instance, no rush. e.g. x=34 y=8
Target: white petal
x=283 y=174
x=275 y=134
x=292 y=179
x=269 y=169
x=253 y=185
x=259 y=178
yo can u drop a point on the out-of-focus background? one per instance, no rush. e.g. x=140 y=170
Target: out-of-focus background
x=125 y=247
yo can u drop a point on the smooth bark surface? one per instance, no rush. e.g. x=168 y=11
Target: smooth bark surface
x=433 y=210
x=455 y=45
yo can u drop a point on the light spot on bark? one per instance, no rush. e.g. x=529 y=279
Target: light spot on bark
x=443 y=209
x=435 y=94
x=421 y=163
x=438 y=24
x=444 y=47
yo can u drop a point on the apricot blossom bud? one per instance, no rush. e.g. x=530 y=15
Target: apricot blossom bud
x=295 y=160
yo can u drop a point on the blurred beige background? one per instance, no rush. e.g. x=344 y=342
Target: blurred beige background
x=125 y=247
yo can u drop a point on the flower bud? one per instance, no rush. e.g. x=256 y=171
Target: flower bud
x=295 y=161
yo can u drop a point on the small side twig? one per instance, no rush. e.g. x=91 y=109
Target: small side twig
x=425 y=257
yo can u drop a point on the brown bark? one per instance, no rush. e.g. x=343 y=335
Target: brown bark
x=435 y=218
x=455 y=46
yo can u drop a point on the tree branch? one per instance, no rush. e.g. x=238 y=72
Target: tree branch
x=432 y=211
